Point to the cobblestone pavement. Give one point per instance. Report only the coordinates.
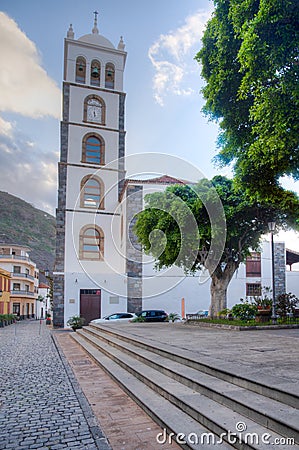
(41, 404)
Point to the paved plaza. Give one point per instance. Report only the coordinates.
(41, 404)
(50, 400)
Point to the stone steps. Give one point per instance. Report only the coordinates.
(213, 404)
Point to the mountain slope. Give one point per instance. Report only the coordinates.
(22, 223)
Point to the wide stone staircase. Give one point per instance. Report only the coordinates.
(203, 405)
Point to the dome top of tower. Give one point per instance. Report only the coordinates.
(94, 37)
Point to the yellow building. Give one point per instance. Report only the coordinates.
(5, 306)
(24, 279)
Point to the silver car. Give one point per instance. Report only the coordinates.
(116, 317)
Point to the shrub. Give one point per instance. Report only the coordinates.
(244, 311)
(224, 313)
(286, 304)
(138, 319)
(172, 317)
(76, 322)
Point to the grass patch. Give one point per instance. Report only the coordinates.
(249, 323)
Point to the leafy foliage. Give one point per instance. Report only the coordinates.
(286, 304)
(250, 61)
(170, 212)
(244, 311)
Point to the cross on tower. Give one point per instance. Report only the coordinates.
(95, 27)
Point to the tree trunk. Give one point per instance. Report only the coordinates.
(220, 280)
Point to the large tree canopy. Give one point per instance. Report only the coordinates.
(180, 223)
(250, 61)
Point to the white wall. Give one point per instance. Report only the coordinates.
(109, 285)
(292, 282)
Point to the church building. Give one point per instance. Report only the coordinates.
(99, 266)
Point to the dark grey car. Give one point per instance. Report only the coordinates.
(153, 315)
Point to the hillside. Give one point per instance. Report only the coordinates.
(21, 223)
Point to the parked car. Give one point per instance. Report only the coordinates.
(116, 317)
(153, 315)
(202, 313)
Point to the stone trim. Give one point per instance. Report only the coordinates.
(64, 141)
(58, 301)
(95, 88)
(279, 268)
(58, 280)
(133, 250)
(93, 125)
(121, 144)
(66, 102)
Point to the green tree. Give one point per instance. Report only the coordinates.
(250, 62)
(178, 225)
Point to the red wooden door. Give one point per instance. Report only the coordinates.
(90, 304)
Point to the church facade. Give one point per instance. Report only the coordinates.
(99, 267)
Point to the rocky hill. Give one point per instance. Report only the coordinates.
(22, 223)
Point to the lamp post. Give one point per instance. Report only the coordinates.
(271, 226)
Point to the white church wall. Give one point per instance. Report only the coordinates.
(196, 295)
(292, 282)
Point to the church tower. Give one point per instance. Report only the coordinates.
(89, 270)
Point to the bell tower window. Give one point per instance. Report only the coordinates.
(95, 73)
(92, 191)
(109, 76)
(80, 70)
(91, 243)
(94, 109)
(93, 149)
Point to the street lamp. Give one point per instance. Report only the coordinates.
(271, 226)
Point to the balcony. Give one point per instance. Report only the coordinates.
(21, 275)
(21, 293)
(16, 257)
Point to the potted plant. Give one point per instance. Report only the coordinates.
(76, 322)
(48, 319)
(172, 317)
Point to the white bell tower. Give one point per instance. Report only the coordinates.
(91, 176)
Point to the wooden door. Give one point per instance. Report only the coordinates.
(90, 304)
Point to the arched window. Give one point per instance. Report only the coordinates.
(93, 149)
(91, 243)
(92, 192)
(109, 76)
(95, 73)
(94, 109)
(80, 70)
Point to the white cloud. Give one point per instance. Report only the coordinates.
(22, 78)
(29, 173)
(172, 57)
(5, 127)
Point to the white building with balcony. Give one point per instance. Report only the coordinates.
(15, 259)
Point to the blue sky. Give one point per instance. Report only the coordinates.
(162, 82)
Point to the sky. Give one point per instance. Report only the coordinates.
(162, 81)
